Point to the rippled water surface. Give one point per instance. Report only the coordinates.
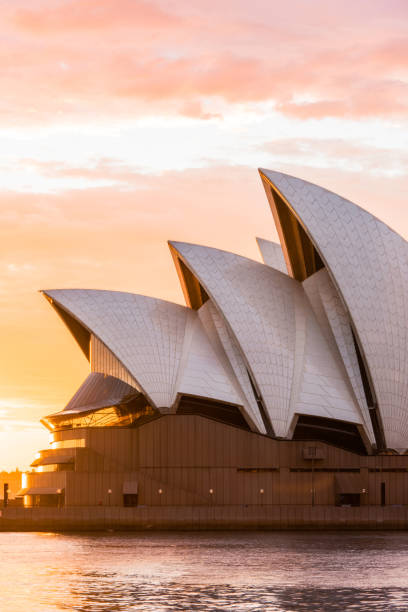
(204, 571)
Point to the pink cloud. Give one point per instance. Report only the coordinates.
(100, 58)
(75, 15)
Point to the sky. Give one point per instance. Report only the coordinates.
(126, 123)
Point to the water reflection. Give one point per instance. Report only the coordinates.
(204, 571)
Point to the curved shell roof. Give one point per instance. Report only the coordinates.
(162, 345)
(323, 334)
(368, 263)
(222, 338)
(294, 367)
(145, 334)
(272, 254)
(334, 322)
(202, 372)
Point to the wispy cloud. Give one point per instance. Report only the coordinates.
(11, 411)
(347, 63)
(337, 153)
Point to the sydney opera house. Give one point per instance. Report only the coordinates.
(280, 387)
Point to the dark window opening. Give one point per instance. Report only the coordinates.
(258, 470)
(377, 429)
(383, 493)
(130, 500)
(194, 292)
(304, 258)
(45, 501)
(203, 294)
(338, 433)
(348, 499)
(363, 374)
(394, 470)
(375, 422)
(327, 470)
(210, 409)
(261, 407)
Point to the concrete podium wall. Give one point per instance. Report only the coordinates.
(181, 461)
(203, 518)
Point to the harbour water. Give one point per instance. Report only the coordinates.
(262, 571)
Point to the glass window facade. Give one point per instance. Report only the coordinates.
(132, 411)
(55, 467)
(71, 443)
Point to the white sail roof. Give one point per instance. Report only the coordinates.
(162, 345)
(224, 343)
(202, 372)
(145, 334)
(294, 367)
(272, 254)
(368, 263)
(334, 322)
(320, 328)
